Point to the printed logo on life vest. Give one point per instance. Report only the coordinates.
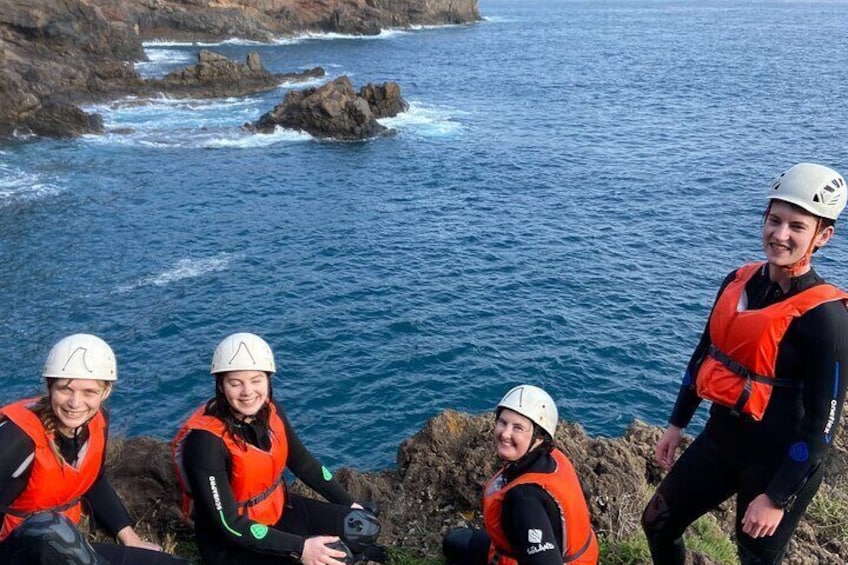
(328, 476)
(534, 536)
(215, 496)
(259, 531)
(830, 419)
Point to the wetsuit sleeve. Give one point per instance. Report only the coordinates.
(15, 462)
(205, 462)
(309, 470)
(825, 350)
(530, 520)
(107, 508)
(687, 397)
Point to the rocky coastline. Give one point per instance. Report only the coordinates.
(440, 473)
(55, 56)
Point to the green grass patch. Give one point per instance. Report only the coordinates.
(629, 551)
(829, 513)
(704, 536)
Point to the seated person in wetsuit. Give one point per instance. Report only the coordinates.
(231, 454)
(52, 458)
(533, 508)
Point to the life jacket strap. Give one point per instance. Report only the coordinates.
(749, 376)
(745, 373)
(579, 553)
(24, 515)
(262, 495)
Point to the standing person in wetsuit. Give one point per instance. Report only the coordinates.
(52, 459)
(231, 455)
(533, 508)
(773, 360)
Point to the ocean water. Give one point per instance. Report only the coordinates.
(570, 184)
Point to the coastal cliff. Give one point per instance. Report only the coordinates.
(438, 482)
(55, 55)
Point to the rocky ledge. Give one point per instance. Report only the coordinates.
(57, 55)
(441, 472)
(335, 110)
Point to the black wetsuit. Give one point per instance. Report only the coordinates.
(101, 499)
(525, 507)
(781, 456)
(223, 536)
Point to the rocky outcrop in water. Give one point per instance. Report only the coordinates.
(216, 76)
(57, 55)
(441, 472)
(336, 110)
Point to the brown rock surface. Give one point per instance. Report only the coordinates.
(441, 472)
(216, 76)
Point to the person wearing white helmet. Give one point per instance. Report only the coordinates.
(534, 509)
(231, 455)
(54, 448)
(773, 361)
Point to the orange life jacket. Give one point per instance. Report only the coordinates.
(562, 485)
(739, 371)
(256, 476)
(53, 485)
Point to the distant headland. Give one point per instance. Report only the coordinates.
(55, 56)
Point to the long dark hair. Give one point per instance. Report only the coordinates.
(221, 409)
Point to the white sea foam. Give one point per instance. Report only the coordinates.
(426, 121)
(184, 269)
(250, 140)
(20, 186)
(162, 43)
(332, 36)
(301, 84)
(164, 122)
(162, 60)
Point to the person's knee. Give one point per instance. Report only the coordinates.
(49, 538)
(655, 516)
(464, 546)
(360, 531)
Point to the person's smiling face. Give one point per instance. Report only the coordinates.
(513, 435)
(246, 391)
(788, 233)
(75, 401)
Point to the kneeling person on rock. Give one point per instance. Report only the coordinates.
(534, 508)
(231, 455)
(52, 458)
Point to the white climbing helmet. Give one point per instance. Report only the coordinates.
(819, 190)
(533, 403)
(81, 356)
(243, 352)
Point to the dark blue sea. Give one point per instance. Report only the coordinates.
(572, 181)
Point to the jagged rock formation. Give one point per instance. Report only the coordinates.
(441, 472)
(335, 110)
(55, 55)
(216, 76)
